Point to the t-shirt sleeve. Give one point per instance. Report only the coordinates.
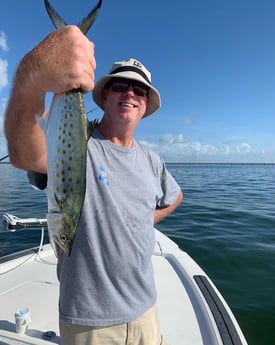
(38, 180)
(169, 186)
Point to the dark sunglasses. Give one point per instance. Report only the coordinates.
(122, 85)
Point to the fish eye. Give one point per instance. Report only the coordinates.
(63, 238)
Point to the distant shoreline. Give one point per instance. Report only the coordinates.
(186, 163)
(224, 163)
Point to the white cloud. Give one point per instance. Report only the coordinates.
(179, 149)
(3, 42)
(243, 148)
(3, 62)
(3, 73)
(190, 119)
(3, 103)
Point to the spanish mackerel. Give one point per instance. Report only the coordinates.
(67, 134)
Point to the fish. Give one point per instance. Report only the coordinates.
(67, 134)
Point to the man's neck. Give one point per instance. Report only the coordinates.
(115, 135)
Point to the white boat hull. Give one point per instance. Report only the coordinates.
(192, 311)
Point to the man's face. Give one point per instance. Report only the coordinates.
(125, 99)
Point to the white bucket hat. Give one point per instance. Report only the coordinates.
(129, 69)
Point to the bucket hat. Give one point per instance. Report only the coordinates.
(129, 69)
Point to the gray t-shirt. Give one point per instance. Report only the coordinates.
(108, 278)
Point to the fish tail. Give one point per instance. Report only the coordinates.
(88, 21)
(84, 25)
(58, 22)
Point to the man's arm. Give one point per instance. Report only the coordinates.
(26, 139)
(162, 212)
(63, 61)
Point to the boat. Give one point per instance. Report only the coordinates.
(192, 310)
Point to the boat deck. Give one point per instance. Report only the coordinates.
(30, 281)
(186, 315)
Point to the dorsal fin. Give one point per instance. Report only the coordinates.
(91, 126)
(84, 25)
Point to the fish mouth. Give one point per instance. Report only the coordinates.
(127, 105)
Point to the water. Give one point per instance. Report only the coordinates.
(226, 223)
(19, 198)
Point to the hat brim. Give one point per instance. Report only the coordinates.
(153, 97)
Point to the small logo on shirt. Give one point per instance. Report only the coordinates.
(103, 176)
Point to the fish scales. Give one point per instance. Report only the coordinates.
(66, 136)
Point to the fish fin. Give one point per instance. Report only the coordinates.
(91, 126)
(59, 202)
(58, 22)
(88, 21)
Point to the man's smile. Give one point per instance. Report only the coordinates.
(127, 105)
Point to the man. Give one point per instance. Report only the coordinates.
(107, 291)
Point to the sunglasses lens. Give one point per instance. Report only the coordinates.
(139, 90)
(122, 86)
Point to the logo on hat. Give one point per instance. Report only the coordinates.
(137, 64)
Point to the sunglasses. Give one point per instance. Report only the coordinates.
(122, 85)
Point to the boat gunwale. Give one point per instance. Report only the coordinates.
(17, 255)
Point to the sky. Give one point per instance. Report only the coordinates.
(213, 62)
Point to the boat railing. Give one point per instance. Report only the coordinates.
(14, 223)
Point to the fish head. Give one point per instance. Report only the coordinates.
(61, 233)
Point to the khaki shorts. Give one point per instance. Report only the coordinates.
(143, 331)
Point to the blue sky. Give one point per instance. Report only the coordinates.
(213, 62)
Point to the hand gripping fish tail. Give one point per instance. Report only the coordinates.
(67, 134)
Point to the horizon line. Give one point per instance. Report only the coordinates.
(204, 163)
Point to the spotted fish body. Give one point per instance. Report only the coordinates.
(67, 134)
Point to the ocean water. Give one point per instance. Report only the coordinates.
(226, 223)
(20, 199)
